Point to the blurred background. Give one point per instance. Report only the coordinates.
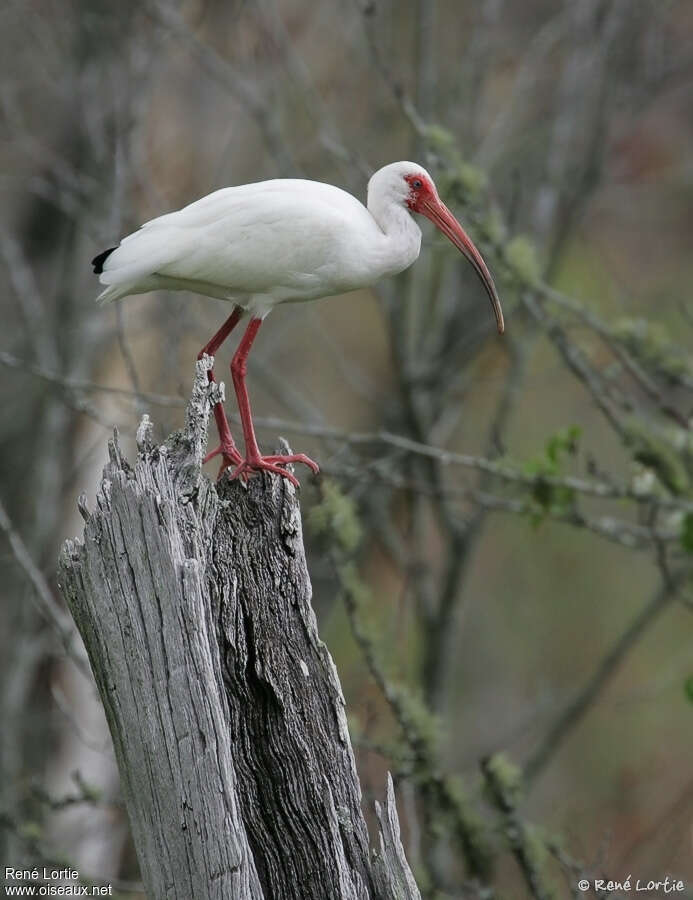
(500, 543)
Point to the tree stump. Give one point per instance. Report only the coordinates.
(225, 708)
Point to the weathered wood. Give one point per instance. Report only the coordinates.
(225, 707)
(391, 872)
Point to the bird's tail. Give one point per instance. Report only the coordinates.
(115, 292)
(100, 259)
(117, 287)
(130, 267)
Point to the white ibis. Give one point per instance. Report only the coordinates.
(280, 241)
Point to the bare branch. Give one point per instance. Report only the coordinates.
(31, 303)
(503, 789)
(44, 600)
(232, 79)
(574, 712)
(77, 385)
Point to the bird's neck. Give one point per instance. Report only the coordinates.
(403, 235)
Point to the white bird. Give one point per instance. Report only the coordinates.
(258, 245)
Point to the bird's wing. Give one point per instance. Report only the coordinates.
(165, 239)
(278, 237)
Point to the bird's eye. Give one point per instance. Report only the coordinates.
(417, 184)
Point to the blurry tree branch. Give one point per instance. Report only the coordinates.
(79, 386)
(243, 89)
(502, 469)
(447, 794)
(327, 131)
(619, 531)
(575, 710)
(41, 591)
(503, 787)
(30, 302)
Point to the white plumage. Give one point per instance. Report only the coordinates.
(261, 244)
(276, 241)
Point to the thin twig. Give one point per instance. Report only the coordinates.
(501, 470)
(577, 362)
(516, 830)
(75, 384)
(619, 531)
(44, 600)
(606, 332)
(466, 827)
(233, 80)
(36, 320)
(573, 713)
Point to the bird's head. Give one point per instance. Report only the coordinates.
(410, 185)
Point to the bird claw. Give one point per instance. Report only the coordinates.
(248, 467)
(229, 457)
(283, 458)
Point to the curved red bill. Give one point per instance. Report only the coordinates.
(435, 210)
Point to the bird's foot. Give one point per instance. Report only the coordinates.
(249, 466)
(229, 456)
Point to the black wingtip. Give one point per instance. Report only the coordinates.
(99, 260)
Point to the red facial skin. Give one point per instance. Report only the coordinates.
(423, 199)
(421, 189)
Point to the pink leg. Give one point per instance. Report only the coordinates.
(254, 461)
(227, 447)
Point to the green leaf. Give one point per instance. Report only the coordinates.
(556, 447)
(687, 532)
(564, 441)
(688, 688)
